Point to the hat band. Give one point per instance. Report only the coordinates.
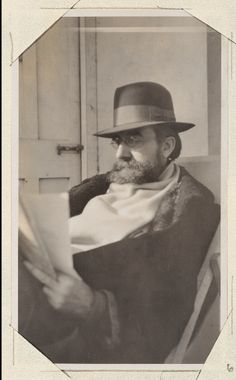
(141, 113)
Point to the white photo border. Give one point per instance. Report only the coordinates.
(225, 68)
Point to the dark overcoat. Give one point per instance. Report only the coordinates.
(153, 278)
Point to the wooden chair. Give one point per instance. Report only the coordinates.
(193, 346)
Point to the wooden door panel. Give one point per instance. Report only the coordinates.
(42, 156)
(28, 185)
(50, 110)
(53, 185)
(28, 96)
(58, 84)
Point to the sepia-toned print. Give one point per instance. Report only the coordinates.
(120, 191)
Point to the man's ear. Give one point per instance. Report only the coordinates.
(168, 146)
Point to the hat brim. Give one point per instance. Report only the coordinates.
(178, 126)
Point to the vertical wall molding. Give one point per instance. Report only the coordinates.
(88, 80)
(214, 91)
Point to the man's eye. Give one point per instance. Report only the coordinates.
(133, 140)
(115, 142)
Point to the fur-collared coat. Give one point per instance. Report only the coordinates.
(153, 278)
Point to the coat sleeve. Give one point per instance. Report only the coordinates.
(154, 279)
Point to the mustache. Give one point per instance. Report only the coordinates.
(127, 164)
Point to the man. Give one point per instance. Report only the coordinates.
(139, 235)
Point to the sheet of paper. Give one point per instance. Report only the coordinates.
(48, 215)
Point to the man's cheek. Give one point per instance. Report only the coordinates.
(138, 157)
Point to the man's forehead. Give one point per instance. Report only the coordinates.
(144, 131)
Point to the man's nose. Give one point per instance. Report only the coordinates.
(123, 151)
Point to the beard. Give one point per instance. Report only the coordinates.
(132, 171)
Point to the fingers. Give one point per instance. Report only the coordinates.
(67, 293)
(49, 292)
(64, 279)
(54, 298)
(73, 274)
(41, 276)
(66, 283)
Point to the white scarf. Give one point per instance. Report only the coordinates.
(121, 211)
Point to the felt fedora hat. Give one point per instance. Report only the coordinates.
(142, 104)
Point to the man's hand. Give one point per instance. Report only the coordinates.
(67, 294)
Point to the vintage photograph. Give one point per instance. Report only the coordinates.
(120, 190)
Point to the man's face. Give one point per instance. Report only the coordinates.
(139, 157)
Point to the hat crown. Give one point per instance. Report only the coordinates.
(142, 102)
(143, 93)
